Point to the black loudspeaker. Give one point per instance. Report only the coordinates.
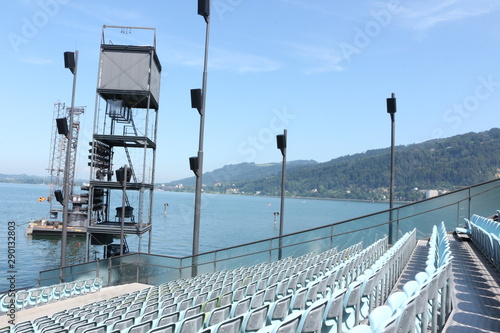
(69, 60)
(391, 105)
(281, 141)
(196, 99)
(204, 8)
(120, 174)
(62, 126)
(59, 196)
(193, 164)
(101, 239)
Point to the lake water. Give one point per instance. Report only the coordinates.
(226, 220)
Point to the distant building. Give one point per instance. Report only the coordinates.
(431, 193)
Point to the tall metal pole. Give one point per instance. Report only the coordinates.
(199, 182)
(67, 166)
(391, 109)
(122, 217)
(281, 140)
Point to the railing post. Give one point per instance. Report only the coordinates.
(215, 261)
(468, 205)
(331, 237)
(397, 225)
(138, 262)
(97, 268)
(109, 271)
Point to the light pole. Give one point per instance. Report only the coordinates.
(198, 101)
(391, 109)
(71, 62)
(281, 142)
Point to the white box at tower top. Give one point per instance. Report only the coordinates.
(130, 73)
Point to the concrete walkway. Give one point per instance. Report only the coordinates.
(476, 286)
(476, 303)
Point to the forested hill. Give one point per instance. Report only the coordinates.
(443, 164)
(233, 173)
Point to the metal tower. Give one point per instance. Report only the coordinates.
(123, 147)
(57, 155)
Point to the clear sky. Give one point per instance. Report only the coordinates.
(321, 69)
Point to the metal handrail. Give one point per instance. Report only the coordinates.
(270, 248)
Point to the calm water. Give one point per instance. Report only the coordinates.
(226, 220)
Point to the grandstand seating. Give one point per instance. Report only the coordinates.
(24, 299)
(485, 233)
(329, 292)
(422, 301)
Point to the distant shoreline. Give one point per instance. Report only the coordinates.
(295, 197)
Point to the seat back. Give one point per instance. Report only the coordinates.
(312, 319)
(289, 324)
(241, 306)
(334, 310)
(168, 319)
(192, 324)
(143, 327)
(255, 319)
(231, 325)
(279, 309)
(218, 315)
(123, 324)
(169, 328)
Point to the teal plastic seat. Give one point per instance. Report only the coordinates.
(98, 283)
(312, 318)
(299, 299)
(384, 319)
(210, 305)
(289, 324)
(279, 310)
(239, 293)
(332, 320)
(218, 315)
(191, 311)
(150, 315)
(123, 324)
(168, 319)
(225, 299)
(190, 325)
(241, 306)
(82, 327)
(169, 328)
(97, 329)
(58, 291)
(22, 298)
(200, 298)
(351, 304)
(256, 319)
(142, 327)
(231, 325)
(396, 300)
(35, 297)
(184, 304)
(368, 295)
(69, 289)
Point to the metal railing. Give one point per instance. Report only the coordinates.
(451, 208)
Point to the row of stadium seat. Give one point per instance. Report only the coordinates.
(485, 233)
(24, 299)
(425, 302)
(183, 298)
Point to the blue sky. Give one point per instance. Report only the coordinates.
(321, 69)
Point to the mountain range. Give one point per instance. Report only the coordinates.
(440, 164)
